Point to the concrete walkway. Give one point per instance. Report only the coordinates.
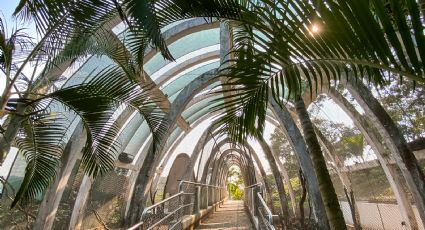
(231, 215)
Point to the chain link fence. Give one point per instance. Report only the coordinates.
(106, 202)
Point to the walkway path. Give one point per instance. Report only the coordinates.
(231, 215)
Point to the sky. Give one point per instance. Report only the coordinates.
(7, 7)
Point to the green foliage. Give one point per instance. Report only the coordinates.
(281, 146)
(95, 102)
(404, 103)
(235, 183)
(235, 192)
(347, 141)
(40, 141)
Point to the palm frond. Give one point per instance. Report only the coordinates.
(59, 21)
(291, 46)
(41, 142)
(352, 36)
(96, 103)
(152, 16)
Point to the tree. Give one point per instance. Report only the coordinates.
(234, 184)
(281, 146)
(404, 103)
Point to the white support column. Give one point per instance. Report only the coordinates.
(49, 205)
(372, 138)
(80, 204)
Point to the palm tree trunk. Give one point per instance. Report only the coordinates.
(303, 197)
(331, 155)
(11, 131)
(297, 142)
(330, 199)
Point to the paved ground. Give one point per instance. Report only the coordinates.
(231, 215)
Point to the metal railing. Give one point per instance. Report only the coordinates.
(257, 207)
(169, 213)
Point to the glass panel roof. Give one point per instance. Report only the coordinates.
(130, 129)
(174, 135)
(207, 102)
(93, 65)
(175, 86)
(205, 110)
(183, 46)
(138, 139)
(186, 63)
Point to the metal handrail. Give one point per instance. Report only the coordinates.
(162, 202)
(187, 201)
(145, 211)
(267, 210)
(167, 216)
(253, 185)
(134, 227)
(200, 184)
(258, 208)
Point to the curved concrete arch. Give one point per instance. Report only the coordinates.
(299, 146)
(226, 163)
(223, 163)
(240, 159)
(145, 175)
(243, 161)
(176, 173)
(252, 153)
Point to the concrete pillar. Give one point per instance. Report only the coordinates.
(49, 205)
(80, 204)
(303, 156)
(375, 141)
(197, 202)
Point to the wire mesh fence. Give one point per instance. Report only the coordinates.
(378, 216)
(106, 202)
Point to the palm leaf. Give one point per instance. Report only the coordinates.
(96, 103)
(355, 39)
(151, 16)
(41, 142)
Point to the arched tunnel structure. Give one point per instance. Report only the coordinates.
(190, 89)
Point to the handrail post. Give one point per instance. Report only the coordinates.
(207, 197)
(219, 197)
(197, 201)
(181, 186)
(255, 191)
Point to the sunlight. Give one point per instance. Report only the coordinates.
(314, 29)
